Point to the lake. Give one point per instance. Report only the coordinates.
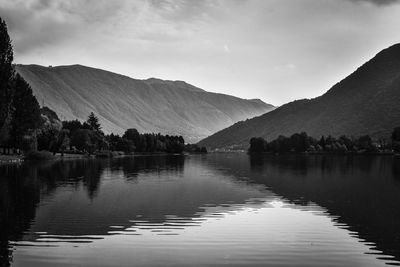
(202, 210)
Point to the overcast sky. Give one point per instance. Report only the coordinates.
(275, 50)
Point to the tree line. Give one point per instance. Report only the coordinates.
(87, 137)
(302, 142)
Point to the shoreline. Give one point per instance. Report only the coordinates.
(328, 153)
(5, 159)
(14, 159)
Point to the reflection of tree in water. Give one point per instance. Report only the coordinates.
(396, 168)
(363, 191)
(19, 197)
(92, 170)
(132, 166)
(300, 164)
(21, 187)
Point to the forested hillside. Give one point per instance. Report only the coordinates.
(366, 102)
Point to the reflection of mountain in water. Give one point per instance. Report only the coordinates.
(23, 188)
(364, 192)
(81, 200)
(94, 197)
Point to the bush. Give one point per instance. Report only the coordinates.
(39, 155)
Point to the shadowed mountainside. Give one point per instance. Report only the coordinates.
(152, 105)
(366, 102)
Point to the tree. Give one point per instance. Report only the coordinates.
(133, 135)
(125, 145)
(300, 142)
(47, 137)
(49, 130)
(347, 142)
(257, 145)
(26, 112)
(72, 126)
(365, 142)
(203, 149)
(6, 75)
(62, 142)
(322, 142)
(396, 139)
(396, 134)
(81, 139)
(93, 122)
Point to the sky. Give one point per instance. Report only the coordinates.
(274, 50)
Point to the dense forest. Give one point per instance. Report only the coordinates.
(25, 127)
(301, 143)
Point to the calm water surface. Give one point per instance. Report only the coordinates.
(205, 210)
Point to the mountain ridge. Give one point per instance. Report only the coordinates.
(365, 102)
(122, 102)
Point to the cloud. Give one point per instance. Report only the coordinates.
(377, 2)
(38, 23)
(184, 10)
(226, 49)
(219, 45)
(285, 68)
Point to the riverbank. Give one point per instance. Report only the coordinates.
(10, 159)
(45, 155)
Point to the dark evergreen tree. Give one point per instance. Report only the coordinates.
(26, 112)
(6, 75)
(93, 122)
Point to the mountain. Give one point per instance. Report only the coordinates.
(152, 105)
(366, 102)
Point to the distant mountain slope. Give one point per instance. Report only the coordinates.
(366, 102)
(153, 105)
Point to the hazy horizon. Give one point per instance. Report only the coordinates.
(278, 51)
